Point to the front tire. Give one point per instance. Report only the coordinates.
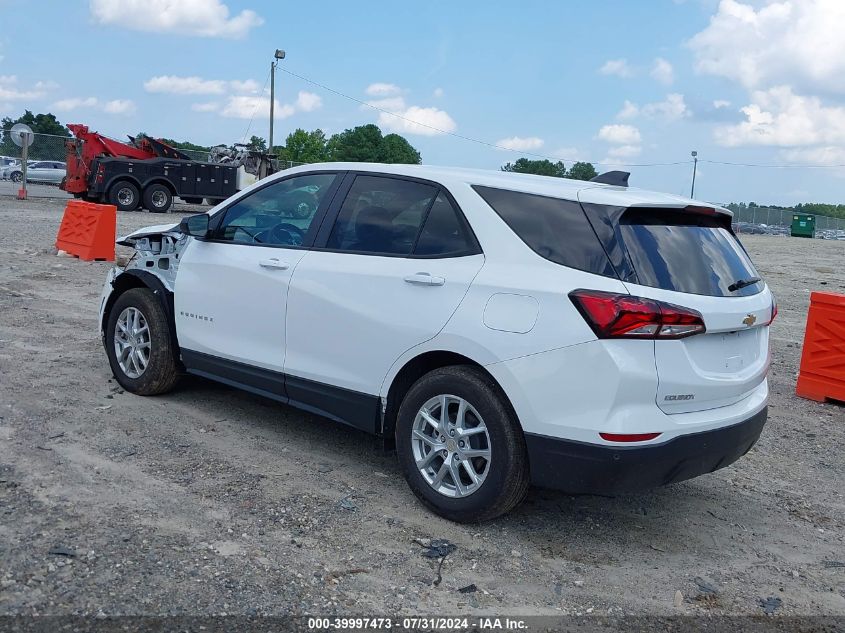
(16, 176)
(460, 446)
(138, 344)
(157, 198)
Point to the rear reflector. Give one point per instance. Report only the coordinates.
(628, 437)
(612, 315)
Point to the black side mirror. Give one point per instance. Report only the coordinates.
(195, 225)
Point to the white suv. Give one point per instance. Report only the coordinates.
(501, 328)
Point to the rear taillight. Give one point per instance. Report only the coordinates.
(774, 310)
(613, 315)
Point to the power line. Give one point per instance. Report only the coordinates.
(257, 105)
(462, 136)
(770, 165)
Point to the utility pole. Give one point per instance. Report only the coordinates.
(694, 169)
(279, 55)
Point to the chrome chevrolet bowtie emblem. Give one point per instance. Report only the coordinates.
(750, 320)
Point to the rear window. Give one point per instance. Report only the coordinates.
(686, 252)
(553, 228)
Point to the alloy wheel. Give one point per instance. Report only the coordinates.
(132, 342)
(451, 446)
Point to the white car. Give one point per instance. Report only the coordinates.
(47, 171)
(501, 328)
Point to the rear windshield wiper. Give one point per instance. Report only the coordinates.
(742, 283)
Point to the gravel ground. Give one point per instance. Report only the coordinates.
(209, 500)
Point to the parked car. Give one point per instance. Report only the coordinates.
(47, 171)
(6, 165)
(500, 328)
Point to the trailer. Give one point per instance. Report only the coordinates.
(146, 172)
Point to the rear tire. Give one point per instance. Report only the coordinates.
(503, 474)
(124, 195)
(138, 344)
(16, 176)
(157, 198)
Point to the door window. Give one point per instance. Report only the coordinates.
(389, 216)
(280, 214)
(381, 216)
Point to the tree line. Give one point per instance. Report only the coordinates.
(364, 143)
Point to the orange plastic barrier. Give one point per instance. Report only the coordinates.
(88, 231)
(822, 373)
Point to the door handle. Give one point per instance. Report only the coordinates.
(424, 279)
(274, 263)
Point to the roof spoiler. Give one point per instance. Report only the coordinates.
(616, 178)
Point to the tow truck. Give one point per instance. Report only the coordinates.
(147, 172)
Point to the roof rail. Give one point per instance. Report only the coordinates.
(617, 178)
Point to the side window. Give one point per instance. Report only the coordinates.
(281, 214)
(381, 216)
(554, 228)
(443, 232)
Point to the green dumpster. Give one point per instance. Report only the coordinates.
(803, 225)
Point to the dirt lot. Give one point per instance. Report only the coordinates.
(209, 500)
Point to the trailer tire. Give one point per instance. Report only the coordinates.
(124, 195)
(157, 198)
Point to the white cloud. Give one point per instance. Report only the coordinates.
(308, 102)
(119, 106)
(672, 108)
(414, 119)
(780, 117)
(204, 18)
(249, 106)
(418, 120)
(249, 85)
(10, 92)
(617, 67)
(438, 92)
(382, 90)
(827, 155)
(629, 111)
(663, 71)
(619, 134)
(209, 106)
(392, 104)
(74, 103)
(520, 144)
(721, 103)
(171, 84)
(795, 42)
(624, 151)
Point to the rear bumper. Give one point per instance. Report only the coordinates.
(580, 467)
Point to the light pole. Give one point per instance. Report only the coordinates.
(279, 55)
(694, 169)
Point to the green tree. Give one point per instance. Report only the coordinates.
(582, 171)
(304, 147)
(397, 149)
(40, 123)
(43, 148)
(257, 143)
(366, 143)
(539, 167)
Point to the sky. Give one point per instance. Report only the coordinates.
(476, 83)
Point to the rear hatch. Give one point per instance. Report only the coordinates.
(688, 256)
